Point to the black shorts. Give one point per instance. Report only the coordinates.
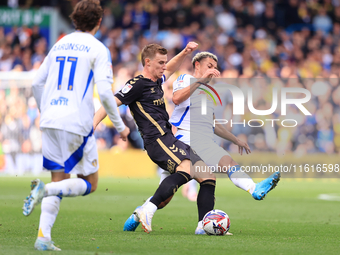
(168, 152)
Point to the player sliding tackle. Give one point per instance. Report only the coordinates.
(63, 89)
(144, 95)
(188, 100)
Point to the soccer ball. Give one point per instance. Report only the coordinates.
(216, 222)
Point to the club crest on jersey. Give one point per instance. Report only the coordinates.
(182, 152)
(94, 163)
(109, 73)
(127, 88)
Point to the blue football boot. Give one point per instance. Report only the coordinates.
(262, 188)
(35, 197)
(131, 224)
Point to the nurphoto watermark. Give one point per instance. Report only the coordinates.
(289, 125)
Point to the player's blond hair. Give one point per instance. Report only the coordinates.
(202, 55)
(150, 50)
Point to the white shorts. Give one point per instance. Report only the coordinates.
(68, 152)
(211, 153)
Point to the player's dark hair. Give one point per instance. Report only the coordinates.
(150, 50)
(86, 15)
(202, 55)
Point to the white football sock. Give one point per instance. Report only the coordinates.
(49, 211)
(68, 188)
(241, 179)
(244, 183)
(147, 201)
(200, 224)
(150, 207)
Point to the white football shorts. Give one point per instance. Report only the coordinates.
(68, 152)
(209, 151)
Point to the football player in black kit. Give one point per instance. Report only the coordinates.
(144, 96)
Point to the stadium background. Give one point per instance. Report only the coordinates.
(295, 41)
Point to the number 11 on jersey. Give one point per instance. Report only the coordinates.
(73, 60)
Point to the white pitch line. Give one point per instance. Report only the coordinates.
(329, 197)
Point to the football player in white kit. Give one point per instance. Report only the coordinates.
(187, 100)
(63, 89)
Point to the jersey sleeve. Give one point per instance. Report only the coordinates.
(39, 80)
(131, 92)
(102, 70)
(181, 82)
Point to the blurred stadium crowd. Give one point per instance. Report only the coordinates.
(295, 41)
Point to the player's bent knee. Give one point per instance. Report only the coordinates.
(184, 166)
(208, 182)
(91, 182)
(202, 172)
(94, 187)
(227, 161)
(59, 176)
(200, 180)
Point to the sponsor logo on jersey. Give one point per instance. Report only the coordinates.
(59, 101)
(152, 90)
(159, 101)
(126, 88)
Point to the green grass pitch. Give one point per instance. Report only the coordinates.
(291, 220)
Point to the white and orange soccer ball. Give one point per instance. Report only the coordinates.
(216, 222)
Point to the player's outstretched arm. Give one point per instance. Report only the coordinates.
(221, 131)
(101, 113)
(99, 116)
(177, 60)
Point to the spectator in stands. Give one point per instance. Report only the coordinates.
(6, 59)
(283, 39)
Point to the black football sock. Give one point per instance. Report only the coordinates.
(169, 186)
(206, 198)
